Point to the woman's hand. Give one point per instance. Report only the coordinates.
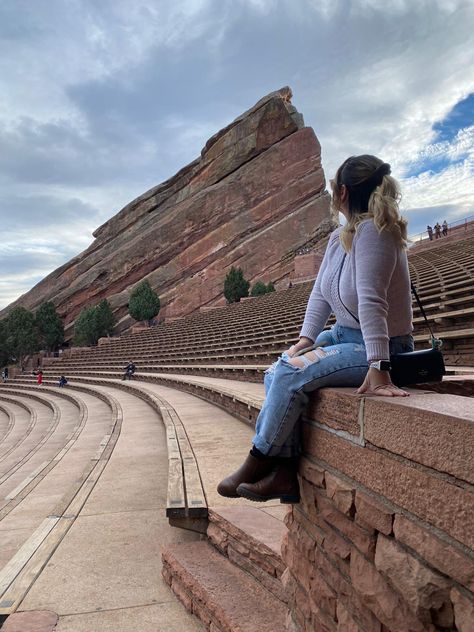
(379, 383)
(301, 344)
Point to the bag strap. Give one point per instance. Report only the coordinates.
(436, 343)
(413, 289)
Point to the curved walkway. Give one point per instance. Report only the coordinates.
(106, 572)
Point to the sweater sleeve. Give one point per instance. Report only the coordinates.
(318, 309)
(375, 260)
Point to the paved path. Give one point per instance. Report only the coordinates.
(106, 573)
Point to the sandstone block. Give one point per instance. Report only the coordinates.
(422, 427)
(445, 557)
(333, 575)
(384, 602)
(433, 499)
(182, 594)
(312, 472)
(463, 610)
(364, 540)
(340, 493)
(335, 544)
(31, 621)
(217, 536)
(420, 587)
(341, 413)
(309, 525)
(373, 513)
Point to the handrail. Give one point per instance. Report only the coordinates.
(423, 236)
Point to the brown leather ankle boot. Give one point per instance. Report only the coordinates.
(250, 471)
(281, 484)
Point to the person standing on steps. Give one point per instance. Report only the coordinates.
(437, 229)
(445, 228)
(364, 281)
(39, 377)
(430, 232)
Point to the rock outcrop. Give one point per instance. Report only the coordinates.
(254, 197)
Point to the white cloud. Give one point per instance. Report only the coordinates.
(101, 101)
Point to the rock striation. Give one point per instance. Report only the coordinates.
(252, 199)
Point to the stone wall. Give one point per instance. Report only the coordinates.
(383, 537)
(306, 266)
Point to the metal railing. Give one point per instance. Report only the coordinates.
(458, 224)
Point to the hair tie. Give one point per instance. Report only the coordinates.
(383, 170)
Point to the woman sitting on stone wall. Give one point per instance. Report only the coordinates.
(364, 281)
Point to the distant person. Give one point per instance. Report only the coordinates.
(39, 377)
(366, 260)
(129, 371)
(5, 374)
(437, 229)
(430, 232)
(445, 228)
(62, 382)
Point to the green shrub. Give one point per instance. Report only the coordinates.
(144, 303)
(235, 285)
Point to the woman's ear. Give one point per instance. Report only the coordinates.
(344, 193)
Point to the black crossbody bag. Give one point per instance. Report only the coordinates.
(413, 367)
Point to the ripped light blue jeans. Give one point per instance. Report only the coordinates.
(342, 363)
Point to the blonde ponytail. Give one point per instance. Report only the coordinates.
(373, 194)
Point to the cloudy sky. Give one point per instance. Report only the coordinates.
(102, 99)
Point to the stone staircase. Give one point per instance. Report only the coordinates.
(233, 581)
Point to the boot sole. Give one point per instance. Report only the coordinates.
(285, 499)
(228, 495)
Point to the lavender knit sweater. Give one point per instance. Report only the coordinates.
(374, 284)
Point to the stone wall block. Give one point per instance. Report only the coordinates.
(312, 472)
(449, 560)
(463, 610)
(387, 605)
(421, 427)
(431, 498)
(218, 537)
(422, 588)
(308, 500)
(182, 594)
(372, 513)
(340, 493)
(363, 539)
(335, 544)
(329, 408)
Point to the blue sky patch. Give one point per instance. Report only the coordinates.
(462, 115)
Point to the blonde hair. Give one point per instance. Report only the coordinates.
(373, 194)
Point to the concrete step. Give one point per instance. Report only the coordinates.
(251, 538)
(224, 597)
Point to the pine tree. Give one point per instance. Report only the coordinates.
(105, 318)
(144, 303)
(258, 289)
(21, 333)
(4, 351)
(235, 285)
(50, 326)
(85, 327)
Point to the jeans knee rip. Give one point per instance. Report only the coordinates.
(312, 357)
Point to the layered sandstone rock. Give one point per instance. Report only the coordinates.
(254, 197)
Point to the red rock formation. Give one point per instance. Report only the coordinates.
(254, 197)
